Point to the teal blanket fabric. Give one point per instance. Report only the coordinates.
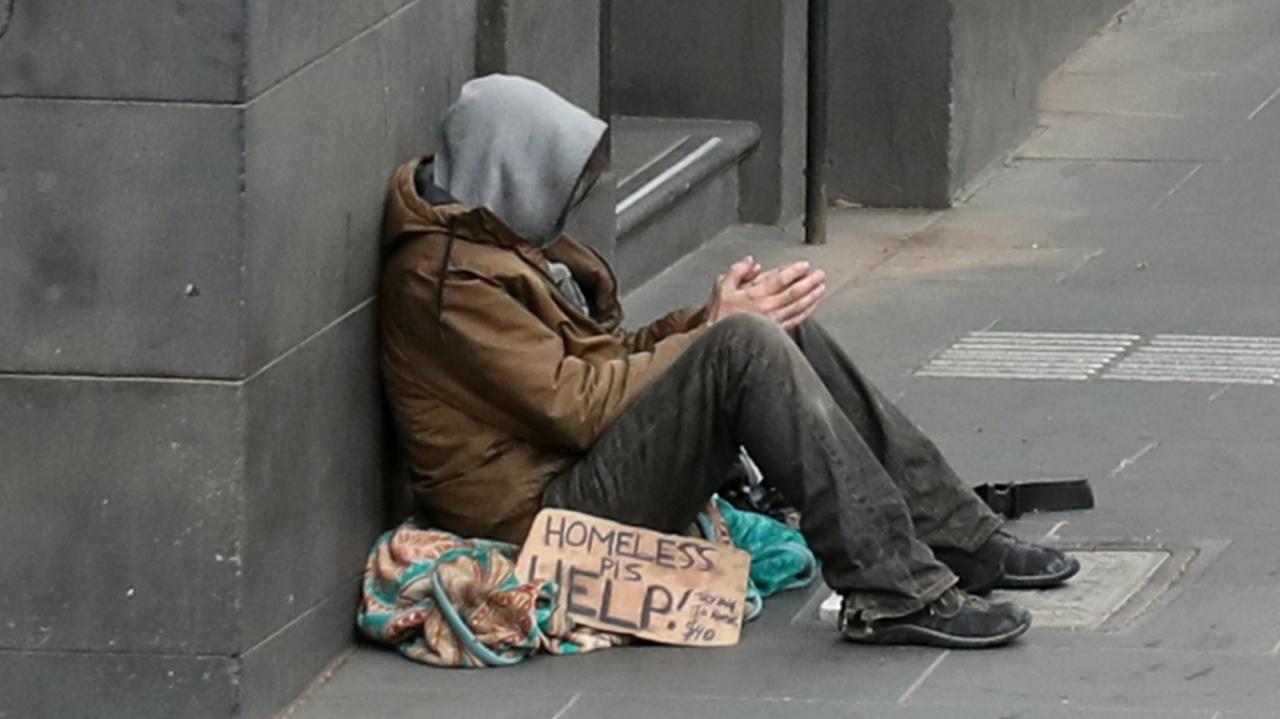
(780, 558)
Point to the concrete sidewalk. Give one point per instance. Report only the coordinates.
(1146, 205)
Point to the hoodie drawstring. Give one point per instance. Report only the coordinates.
(444, 271)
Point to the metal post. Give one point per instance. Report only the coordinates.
(605, 106)
(815, 194)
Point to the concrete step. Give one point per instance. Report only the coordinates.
(677, 188)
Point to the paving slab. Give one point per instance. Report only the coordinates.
(1156, 95)
(1210, 619)
(1040, 408)
(1255, 17)
(1021, 711)
(625, 706)
(989, 457)
(1248, 184)
(1095, 184)
(1093, 679)
(1128, 49)
(1249, 562)
(1222, 484)
(833, 670)
(424, 701)
(1090, 136)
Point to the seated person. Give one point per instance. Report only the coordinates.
(516, 390)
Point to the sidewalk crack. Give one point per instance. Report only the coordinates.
(920, 680)
(1128, 462)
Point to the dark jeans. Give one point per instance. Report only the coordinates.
(874, 493)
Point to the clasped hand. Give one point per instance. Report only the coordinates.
(788, 295)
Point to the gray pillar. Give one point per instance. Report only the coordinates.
(192, 444)
(926, 94)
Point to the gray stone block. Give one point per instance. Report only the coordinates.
(274, 672)
(926, 95)
(119, 227)
(999, 59)
(890, 67)
(118, 516)
(219, 51)
(154, 50)
(312, 487)
(557, 42)
(285, 35)
(315, 177)
(660, 160)
(99, 685)
(319, 149)
(426, 69)
(143, 275)
(679, 229)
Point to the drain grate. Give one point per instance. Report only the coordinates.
(1072, 356)
(1107, 580)
(1203, 358)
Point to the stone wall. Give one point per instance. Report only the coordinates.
(192, 444)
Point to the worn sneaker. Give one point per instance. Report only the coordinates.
(1006, 562)
(1031, 566)
(955, 620)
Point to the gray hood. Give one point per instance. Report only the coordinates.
(513, 146)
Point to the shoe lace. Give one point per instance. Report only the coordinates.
(953, 600)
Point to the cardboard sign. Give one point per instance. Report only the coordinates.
(661, 587)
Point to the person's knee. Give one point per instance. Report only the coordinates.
(750, 334)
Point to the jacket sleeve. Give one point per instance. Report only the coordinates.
(521, 378)
(683, 320)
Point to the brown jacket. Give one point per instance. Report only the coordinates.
(497, 381)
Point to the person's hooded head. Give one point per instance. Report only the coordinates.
(513, 146)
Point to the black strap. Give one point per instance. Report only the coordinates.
(1015, 499)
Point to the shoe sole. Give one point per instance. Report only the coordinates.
(1039, 581)
(921, 636)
